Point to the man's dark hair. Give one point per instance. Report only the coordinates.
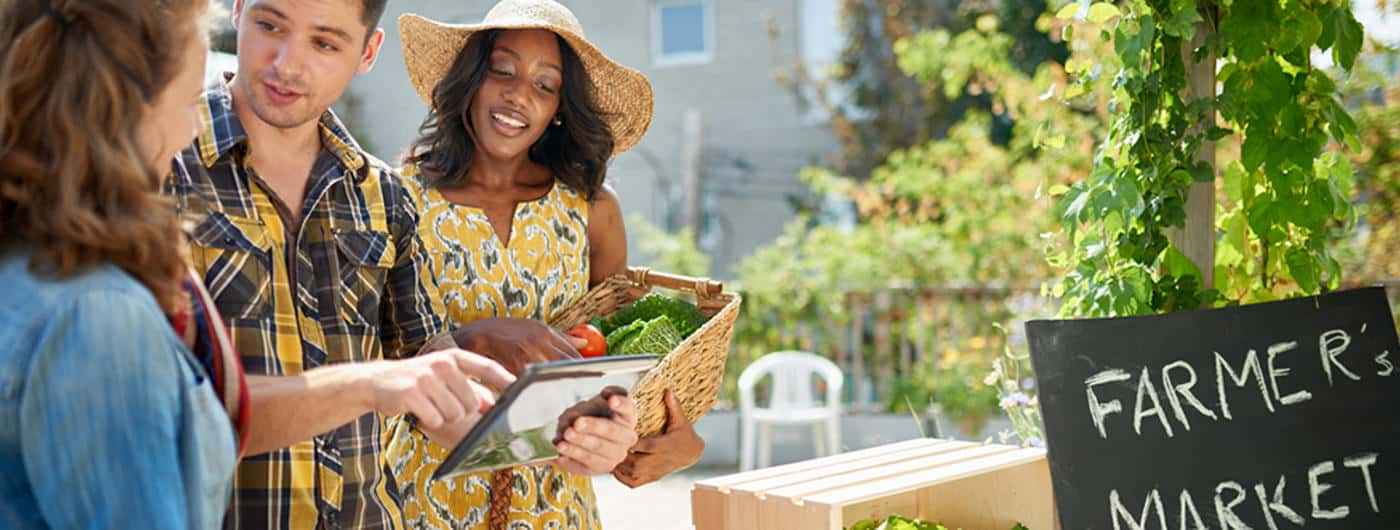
(373, 11)
(577, 151)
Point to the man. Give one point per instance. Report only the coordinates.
(308, 246)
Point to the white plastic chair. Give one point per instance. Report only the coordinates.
(792, 402)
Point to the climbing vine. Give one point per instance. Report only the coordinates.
(1278, 200)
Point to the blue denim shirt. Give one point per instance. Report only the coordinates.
(106, 419)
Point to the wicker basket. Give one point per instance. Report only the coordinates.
(694, 370)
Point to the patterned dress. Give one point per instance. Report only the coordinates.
(540, 273)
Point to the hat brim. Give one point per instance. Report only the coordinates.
(623, 94)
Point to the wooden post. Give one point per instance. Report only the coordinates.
(691, 167)
(1197, 241)
(884, 341)
(861, 385)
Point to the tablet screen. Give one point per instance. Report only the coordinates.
(525, 422)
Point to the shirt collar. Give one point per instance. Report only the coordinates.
(221, 130)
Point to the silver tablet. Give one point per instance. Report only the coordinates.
(523, 425)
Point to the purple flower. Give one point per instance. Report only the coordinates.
(1020, 398)
(1028, 384)
(1035, 441)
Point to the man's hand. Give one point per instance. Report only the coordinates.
(439, 388)
(676, 448)
(517, 342)
(595, 445)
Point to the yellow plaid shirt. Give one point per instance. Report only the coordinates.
(351, 284)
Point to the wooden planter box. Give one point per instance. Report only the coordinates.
(961, 484)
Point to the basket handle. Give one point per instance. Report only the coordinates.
(702, 287)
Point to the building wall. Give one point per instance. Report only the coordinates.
(755, 138)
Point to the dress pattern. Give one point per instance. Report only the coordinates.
(542, 271)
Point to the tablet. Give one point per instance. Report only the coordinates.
(522, 426)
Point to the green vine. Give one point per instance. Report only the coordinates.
(1280, 199)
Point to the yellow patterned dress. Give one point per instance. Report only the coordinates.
(541, 272)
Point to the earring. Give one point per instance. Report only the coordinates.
(558, 122)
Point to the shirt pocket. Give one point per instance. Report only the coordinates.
(361, 264)
(235, 256)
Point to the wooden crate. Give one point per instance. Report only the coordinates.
(965, 485)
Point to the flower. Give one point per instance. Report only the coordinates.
(1035, 441)
(1028, 384)
(991, 378)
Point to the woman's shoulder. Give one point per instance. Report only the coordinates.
(604, 198)
(101, 307)
(43, 291)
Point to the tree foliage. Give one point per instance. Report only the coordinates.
(1284, 197)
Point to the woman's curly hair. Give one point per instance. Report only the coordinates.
(76, 78)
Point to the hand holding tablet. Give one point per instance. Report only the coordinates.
(539, 409)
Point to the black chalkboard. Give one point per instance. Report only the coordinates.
(1323, 421)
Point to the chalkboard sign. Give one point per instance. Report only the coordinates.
(1271, 416)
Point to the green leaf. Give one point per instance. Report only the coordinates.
(1251, 29)
(1234, 245)
(1216, 133)
(1302, 266)
(1272, 88)
(1341, 174)
(1349, 37)
(1129, 196)
(1100, 12)
(1103, 200)
(1182, 22)
(1328, 36)
(1129, 45)
(1290, 118)
(1260, 215)
(1253, 150)
(1318, 207)
(1237, 182)
(1340, 125)
(1069, 10)
(1202, 172)
(1339, 181)
(1138, 286)
(1306, 27)
(1334, 272)
(1077, 201)
(1175, 263)
(1321, 84)
(1058, 190)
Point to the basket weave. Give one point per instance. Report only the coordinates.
(694, 370)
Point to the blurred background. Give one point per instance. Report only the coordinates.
(875, 177)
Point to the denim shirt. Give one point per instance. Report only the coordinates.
(106, 419)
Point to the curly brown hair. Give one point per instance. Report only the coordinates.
(76, 78)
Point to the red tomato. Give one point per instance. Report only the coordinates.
(597, 345)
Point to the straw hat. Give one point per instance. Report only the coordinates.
(624, 94)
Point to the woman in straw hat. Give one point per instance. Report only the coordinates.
(510, 167)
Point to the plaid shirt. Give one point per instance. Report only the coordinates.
(351, 284)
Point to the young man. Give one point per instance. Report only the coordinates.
(308, 246)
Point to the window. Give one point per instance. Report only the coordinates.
(682, 32)
(821, 41)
